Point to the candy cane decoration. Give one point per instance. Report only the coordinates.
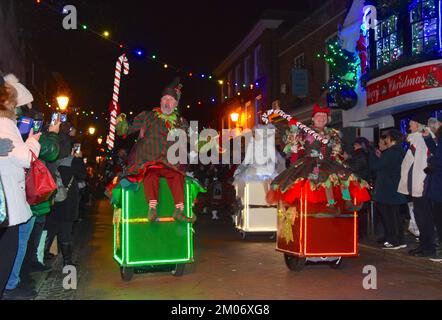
(122, 62)
(293, 121)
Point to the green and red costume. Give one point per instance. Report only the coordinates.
(318, 170)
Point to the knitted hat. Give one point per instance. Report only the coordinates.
(421, 118)
(23, 95)
(174, 89)
(318, 109)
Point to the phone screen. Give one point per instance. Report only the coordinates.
(54, 118)
(38, 125)
(63, 117)
(77, 148)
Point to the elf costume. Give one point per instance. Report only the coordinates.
(147, 160)
(318, 169)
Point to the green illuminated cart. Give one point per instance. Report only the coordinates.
(140, 244)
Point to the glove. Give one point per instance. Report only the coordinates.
(6, 146)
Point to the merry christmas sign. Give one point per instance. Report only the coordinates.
(412, 80)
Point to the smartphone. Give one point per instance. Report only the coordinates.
(54, 118)
(38, 125)
(77, 147)
(63, 117)
(25, 125)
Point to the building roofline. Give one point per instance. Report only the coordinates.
(261, 26)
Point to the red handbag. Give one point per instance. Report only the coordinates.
(39, 182)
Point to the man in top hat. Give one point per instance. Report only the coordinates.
(149, 155)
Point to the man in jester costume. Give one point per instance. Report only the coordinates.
(318, 169)
(148, 157)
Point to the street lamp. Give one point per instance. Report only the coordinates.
(63, 102)
(234, 117)
(100, 140)
(91, 131)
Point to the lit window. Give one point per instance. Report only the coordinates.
(389, 46)
(423, 18)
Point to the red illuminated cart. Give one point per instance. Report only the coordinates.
(313, 232)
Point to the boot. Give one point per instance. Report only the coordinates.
(47, 255)
(66, 251)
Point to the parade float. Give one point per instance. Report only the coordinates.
(152, 200)
(318, 197)
(252, 181)
(145, 245)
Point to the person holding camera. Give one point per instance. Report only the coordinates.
(14, 235)
(69, 169)
(50, 148)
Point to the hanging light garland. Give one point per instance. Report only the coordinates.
(139, 52)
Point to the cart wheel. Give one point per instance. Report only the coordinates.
(127, 273)
(179, 270)
(243, 235)
(336, 264)
(294, 263)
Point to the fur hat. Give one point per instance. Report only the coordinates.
(24, 96)
(318, 109)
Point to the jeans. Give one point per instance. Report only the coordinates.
(24, 232)
(31, 256)
(8, 249)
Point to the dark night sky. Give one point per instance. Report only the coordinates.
(194, 35)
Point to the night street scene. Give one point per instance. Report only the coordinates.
(220, 156)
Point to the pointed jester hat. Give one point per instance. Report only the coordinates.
(174, 89)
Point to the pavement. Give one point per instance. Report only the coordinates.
(227, 267)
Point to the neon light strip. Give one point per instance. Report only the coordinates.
(115, 240)
(355, 226)
(301, 208)
(305, 223)
(189, 239)
(440, 25)
(146, 220)
(118, 259)
(257, 230)
(126, 226)
(189, 228)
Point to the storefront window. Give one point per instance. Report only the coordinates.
(423, 18)
(389, 47)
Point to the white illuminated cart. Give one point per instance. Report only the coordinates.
(254, 216)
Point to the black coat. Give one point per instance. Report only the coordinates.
(358, 164)
(388, 175)
(68, 210)
(434, 178)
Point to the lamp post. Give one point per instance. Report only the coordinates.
(100, 140)
(91, 130)
(63, 102)
(234, 119)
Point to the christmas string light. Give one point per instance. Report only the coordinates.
(105, 35)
